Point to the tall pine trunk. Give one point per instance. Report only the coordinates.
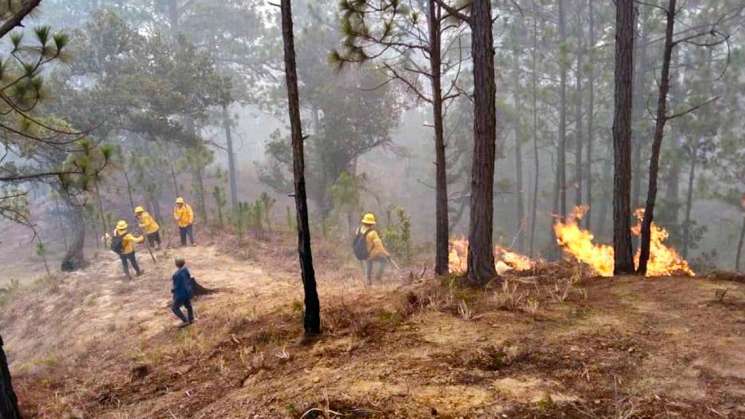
(8, 401)
(579, 146)
(536, 160)
(624, 89)
(638, 129)
(519, 201)
(689, 201)
(590, 115)
(561, 156)
(74, 257)
(232, 171)
(739, 246)
(659, 133)
(441, 195)
(480, 250)
(312, 315)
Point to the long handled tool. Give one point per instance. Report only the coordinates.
(393, 262)
(147, 245)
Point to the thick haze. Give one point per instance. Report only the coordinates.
(151, 76)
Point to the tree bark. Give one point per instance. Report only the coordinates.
(536, 160)
(638, 131)
(659, 133)
(519, 202)
(579, 146)
(441, 195)
(689, 202)
(590, 116)
(74, 258)
(739, 246)
(232, 172)
(624, 89)
(312, 315)
(480, 250)
(8, 401)
(561, 156)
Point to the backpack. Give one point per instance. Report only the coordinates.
(117, 244)
(359, 245)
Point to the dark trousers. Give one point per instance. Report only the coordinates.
(127, 259)
(187, 231)
(154, 239)
(176, 308)
(369, 266)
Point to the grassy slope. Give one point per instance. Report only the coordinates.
(96, 346)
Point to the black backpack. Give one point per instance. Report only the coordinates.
(359, 245)
(117, 244)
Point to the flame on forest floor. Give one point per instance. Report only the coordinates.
(504, 259)
(577, 242)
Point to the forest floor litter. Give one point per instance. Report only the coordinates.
(548, 343)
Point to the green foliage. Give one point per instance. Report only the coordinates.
(254, 216)
(218, 193)
(397, 235)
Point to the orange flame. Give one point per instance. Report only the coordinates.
(663, 260)
(504, 259)
(578, 243)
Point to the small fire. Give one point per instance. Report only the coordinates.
(504, 259)
(578, 243)
(663, 260)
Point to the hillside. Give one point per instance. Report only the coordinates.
(93, 345)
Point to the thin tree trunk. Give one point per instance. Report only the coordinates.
(441, 196)
(176, 189)
(659, 133)
(689, 203)
(312, 316)
(480, 250)
(129, 190)
(561, 156)
(232, 171)
(739, 246)
(579, 146)
(8, 401)
(638, 131)
(520, 205)
(536, 161)
(74, 258)
(624, 89)
(201, 195)
(100, 209)
(590, 116)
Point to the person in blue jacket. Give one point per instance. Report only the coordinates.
(182, 292)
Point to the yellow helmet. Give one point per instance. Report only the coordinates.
(139, 210)
(179, 200)
(121, 225)
(369, 218)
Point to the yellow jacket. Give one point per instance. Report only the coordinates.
(375, 248)
(184, 216)
(128, 242)
(147, 223)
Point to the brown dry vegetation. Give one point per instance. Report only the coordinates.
(545, 346)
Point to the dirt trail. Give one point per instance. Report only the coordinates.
(623, 347)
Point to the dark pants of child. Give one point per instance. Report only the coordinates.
(127, 259)
(176, 308)
(187, 231)
(370, 266)
(154, 239)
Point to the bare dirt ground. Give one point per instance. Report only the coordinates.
(92, 345)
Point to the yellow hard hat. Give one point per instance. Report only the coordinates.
(139, 210)
(121, 225)
(369, 218)
(179, 200)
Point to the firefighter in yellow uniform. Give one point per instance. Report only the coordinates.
(184, 217)
(149, 226)
(369, 249)
(124, 244)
